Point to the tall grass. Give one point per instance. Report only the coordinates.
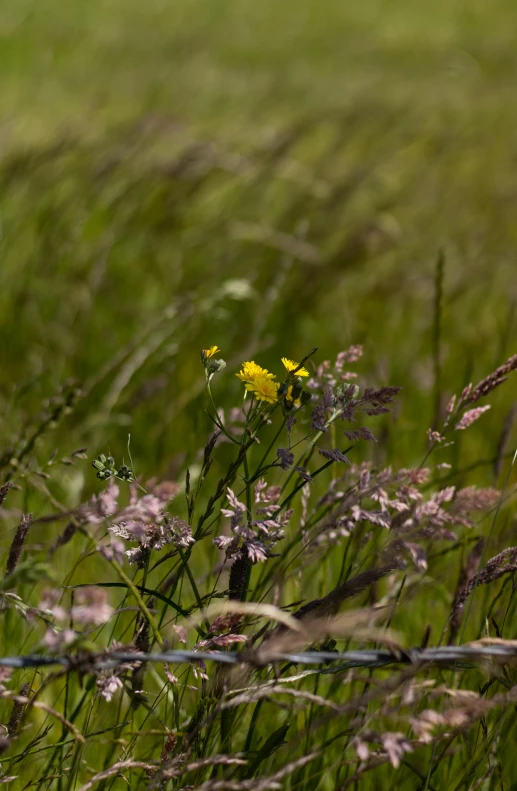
(295, 542)
(296, 177)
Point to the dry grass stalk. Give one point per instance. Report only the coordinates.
(329, 604)
(357, 624)
(490, 382)
(18, 541)
(4, 490)
(504, 438)
(116, 769)
(17, 712)
(467, 574)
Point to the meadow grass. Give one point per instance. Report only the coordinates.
(270, 178)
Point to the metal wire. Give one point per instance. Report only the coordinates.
(369, 658)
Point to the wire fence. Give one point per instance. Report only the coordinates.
(456, 656)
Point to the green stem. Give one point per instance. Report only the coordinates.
(266, 454)
(215, 418)
(221, 487)
(307, 453)
(134, 590)
(301, 457)
(191, 578)
(290, 496)
(248, 489)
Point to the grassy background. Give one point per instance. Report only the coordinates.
(266, 176)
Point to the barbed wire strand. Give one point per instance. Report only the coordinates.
(370, 658)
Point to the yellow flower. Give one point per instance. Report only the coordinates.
(208, 353)
(264, 388)
(289, 397)
(290, 365)
(250, 371)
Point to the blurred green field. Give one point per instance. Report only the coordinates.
(154, 154)
(268, 177)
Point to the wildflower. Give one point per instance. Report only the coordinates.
(212, 366)
(251, 371)
(264, 389)
(259, 381)
(291, 366)
(209, 353)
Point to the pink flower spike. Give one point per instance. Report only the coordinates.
(470, 417)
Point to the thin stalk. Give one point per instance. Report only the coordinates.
(215, 417)
(191, 579)
(437, 333)
(308, 451)
(270, 446)
(143, 607)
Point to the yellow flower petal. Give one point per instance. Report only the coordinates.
(250, 371)
(211, 351)
(290, 365)
(264, 389)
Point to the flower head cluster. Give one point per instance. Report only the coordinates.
(251, 371)
(257, 536)
(262, 383)
(329, 375)
(259, 381)
(144, 520)
(394, 500)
